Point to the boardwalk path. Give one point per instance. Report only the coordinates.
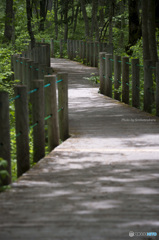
(99, 184)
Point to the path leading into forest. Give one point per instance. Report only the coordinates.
(100, 184)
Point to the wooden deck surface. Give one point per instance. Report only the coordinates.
(100, 184)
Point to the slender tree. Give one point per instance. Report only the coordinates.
(146, 51)
(94, 27)
(134, 24)
(8, 21)
(29, 25)
(85, 17)
(152, 31)
(43, 13)
(56, 18)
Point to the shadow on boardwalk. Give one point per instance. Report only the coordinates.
(100, 184)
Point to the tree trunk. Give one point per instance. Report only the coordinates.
(50, 3)
(152, 31)
(56, 18)
(111, 14)
(94, 18)
(66, 19)
(29, 25)
(43, 13)
(8, 21)
(146, 51)
(75, 18)
(101, 14)
(133, 22)
(122, 10)
(85, 17)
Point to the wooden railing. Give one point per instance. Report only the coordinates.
(115, 81)
(38, 87)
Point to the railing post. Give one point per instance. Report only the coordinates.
(77, 42)
(101, 71)
(80, 48)
(84, 52)
(35, 69)
(71, 49)
(108, 76)
(148, 83)
(157, 89)
(96, 46)
(61, 48)
(135, 83)
(5, 135)
(38, 120)
(125, 80)
(19, 69)
(63, 105)
(24, 69)
(51, 112)
(42, 71)
(92, 54)
(117, 77)
(52, 48)
(22, 128)
(29, 73)
(87, 52)
(15, 68)
(68, 48)
(74, 48)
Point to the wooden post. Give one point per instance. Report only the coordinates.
(108, 76)
(84, 52)
(117, 77)
(104, 47)
(63, 105)
(68, 48)
(157, 89)
(19, 68)
(74, 49)
(135, 84)
(36, 52)
(87, 53)
(38, 120)
(42, 71)
(80, 48)
(51, 110)
(102, 71)
(96, 49)
(61, 48)
(71, 49)
(52, 48)
(15, 66)
(23, 66)
(34, 72)
(148, 83)
(49, 71)
(29, 74)
(92, 54)
(44, 54)
(125, 80)
(77, 44)
(25, 69)
(22, 127)
(5, 135)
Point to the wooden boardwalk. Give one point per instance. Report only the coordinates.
(100, 184)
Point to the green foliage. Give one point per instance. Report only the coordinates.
(5, 64)
(93, 78)
(3, 173)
